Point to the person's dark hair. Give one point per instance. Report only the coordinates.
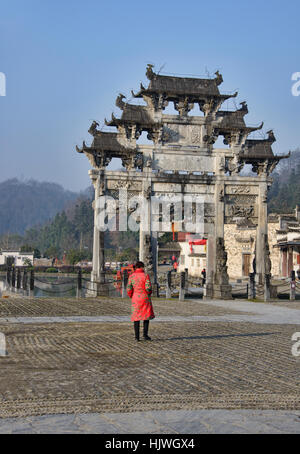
(139, 265)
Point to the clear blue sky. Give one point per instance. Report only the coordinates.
(66, 60)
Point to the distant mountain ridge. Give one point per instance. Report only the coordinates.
(24, 204)
(284, 193)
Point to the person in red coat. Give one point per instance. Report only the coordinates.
(139, 290)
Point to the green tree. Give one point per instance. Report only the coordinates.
(74, 256)
(26, 248)
(52, 252)
(83, 220)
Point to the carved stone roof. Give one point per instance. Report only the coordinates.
(259, 153)
(108, 145)
(184, 92)
(109, 142)
(231, 118)
(132, 114)
(260, 148)
(234, 120)
(183, 85)
(172, 87)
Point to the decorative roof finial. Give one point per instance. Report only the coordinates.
(219, 78)
(149, 72)
(93, 128)
(244, 107)
(119, 101)
(271, 137)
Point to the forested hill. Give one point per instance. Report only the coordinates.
(284, 193)
(25, 204)
(66, 218)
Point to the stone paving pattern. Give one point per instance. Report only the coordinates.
(159, 422)
(75, 368)
(20, 306)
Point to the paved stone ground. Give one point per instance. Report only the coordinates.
(159, 422)
(206, 357)
(286, 303)
(20, 306)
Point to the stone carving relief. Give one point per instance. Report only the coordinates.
(183, 106)
(268, 263)
(170, 135)
(132, 161)
(241, 211)
(196, 135)
(238, 190)
(234, 165)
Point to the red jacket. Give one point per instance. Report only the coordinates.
(139, 290)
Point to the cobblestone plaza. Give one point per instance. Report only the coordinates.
(68, 356)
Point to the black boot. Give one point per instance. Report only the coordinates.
(146, 328)
(137, 330)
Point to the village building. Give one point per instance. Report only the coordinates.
(15, 257)
(43, 261)
(288, 243)
(240, 240)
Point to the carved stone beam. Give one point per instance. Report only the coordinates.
(183, 106)
(155, 134)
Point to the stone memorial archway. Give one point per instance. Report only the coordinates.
(182, 166)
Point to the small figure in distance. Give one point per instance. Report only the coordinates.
(203, 273)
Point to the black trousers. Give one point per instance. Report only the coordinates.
(137, 328)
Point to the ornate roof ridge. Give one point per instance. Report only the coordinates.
(131, 113)
(180, 86)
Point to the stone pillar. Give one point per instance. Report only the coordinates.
(267, 287)
(146, 242)
(186, 288)
(95, 268)
(290, 261)
(263, 262)
(24, 282)
(293, 286)
(124, 283)
(79, 284)
(98, 271)
(283, 262)
(217, 277)
(154, 250)
(182, 286)
(210, 266)
(13, 277)
(18, 278)
(168, 284)
(251, 292)
(31, 283)
(8, 276)
(261, 233)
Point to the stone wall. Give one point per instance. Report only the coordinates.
(239, 242)
(274, 225)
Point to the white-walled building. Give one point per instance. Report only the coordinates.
(240, 239)
(192, 256)
(16, 258)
